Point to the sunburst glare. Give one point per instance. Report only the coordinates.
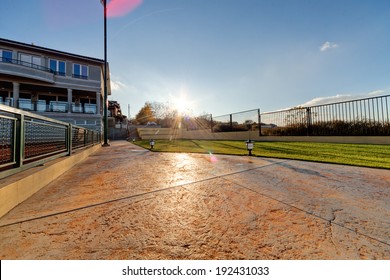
(181, 104)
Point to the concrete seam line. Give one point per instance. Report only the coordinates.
(138, 195)
(309, 213)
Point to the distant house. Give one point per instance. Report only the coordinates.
(115, 111)
(56, 84)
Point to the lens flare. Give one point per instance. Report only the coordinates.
(181, 104)
(213, 158)
(118, 8)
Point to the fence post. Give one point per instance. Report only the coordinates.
(259, 121)
(231, 122)
(308, 120)
(69, 140)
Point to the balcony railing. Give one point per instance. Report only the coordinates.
(90, 108)
(80, 77)
(39, 67)
(26, 64)
(53, 106)
(25, 104)
(58, 106)
(77, 108)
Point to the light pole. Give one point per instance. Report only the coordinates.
(105, 117)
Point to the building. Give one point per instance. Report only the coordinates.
(115, 111)
(56, 84)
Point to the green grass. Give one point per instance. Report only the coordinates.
(367, 155)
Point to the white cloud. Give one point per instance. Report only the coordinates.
(376, 93)
(328, 45)
(341, 98)
(117, 85)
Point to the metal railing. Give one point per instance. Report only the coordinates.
(197, 123)
(26, 64)
(28, 140)
(80, 76)
(50, 106)
(240, 121)
(361, 117)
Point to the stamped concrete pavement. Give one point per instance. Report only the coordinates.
(124, 202)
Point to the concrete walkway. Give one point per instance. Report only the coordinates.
(124, 202)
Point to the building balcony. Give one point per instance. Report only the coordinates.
(27, 70)
(52, 106)
(90, 109)
(7, 101)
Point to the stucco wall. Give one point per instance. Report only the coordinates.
(17, 188)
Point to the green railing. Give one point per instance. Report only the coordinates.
(28, 140)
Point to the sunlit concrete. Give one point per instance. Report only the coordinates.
(124, 202)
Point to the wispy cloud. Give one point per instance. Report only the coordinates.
(117, 85)
(327, 46)
(341, 98)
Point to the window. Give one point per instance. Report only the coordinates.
(6, 56)
(25, 59)
(90, 122)
(30, 61)
(36, 61)
(80, 71)
(57, 67)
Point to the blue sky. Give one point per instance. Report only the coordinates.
(222, 56)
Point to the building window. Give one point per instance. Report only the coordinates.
(57, 67)
(6, 56)
(30, 61)
(80, 71)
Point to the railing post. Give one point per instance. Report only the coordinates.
(69, 140)
(308, 120)
(20, 137)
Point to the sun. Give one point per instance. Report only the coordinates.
(181, 104)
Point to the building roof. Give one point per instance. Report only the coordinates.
(47, 50)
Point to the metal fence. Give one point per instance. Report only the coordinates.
(27, 139)
(361, 117)
(197, 123)
(241, 121)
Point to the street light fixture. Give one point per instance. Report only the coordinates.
(250, 146)
(151, 142)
